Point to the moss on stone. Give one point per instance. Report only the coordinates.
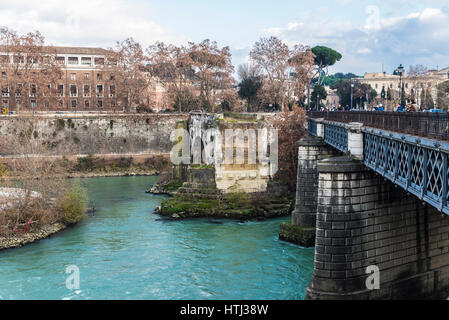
(304, 236)
(234, 206)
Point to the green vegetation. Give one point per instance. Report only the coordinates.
(85, 164)
(237, 205)
(239, 117)
(73, 205)
(201, 166)
(173, 185)
(303, 236)
(3, 170)
(178, 205)
(70, 124)
(60, 124)
(181, 124)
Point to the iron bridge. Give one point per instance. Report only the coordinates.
(417, 164)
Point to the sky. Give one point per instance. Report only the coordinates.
(372, 36)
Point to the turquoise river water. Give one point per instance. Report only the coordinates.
(126, 252)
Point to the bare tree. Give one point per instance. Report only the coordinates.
(302, 62)
(418, 70)
(29, 70)
(128, 65)
(271, 55)
(213, 69)
(173, 67)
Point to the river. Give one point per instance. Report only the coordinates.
(126, 252)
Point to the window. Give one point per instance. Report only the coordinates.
(99, 61)
(4, 59)
(60, 90)
(73, 76)
(86, 76)
(99, 76)
(19, 59)
(406, 85)
(47, 90)
(86, 61)
(33, 103)
(100, 103)
(60, 60)
(86, 103)
(19, 90)
(33, 90)
(5, 103)
(73, 60)
(74, 103)
(73, 90)
(376, 86)
(4, 75)
(86, 90)
(61, 103)
(112, 77)
(111, 91)
(5, 91)
(99, 90)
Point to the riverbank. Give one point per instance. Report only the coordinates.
(30, 237)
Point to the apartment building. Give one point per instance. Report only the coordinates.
(83, 83)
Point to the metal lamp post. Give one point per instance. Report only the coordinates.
(400, 70)
(352, 87)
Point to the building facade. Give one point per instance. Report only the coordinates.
(82, 83)
(413, 85)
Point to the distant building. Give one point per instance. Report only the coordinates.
(84, 84)
(333, 100)
(413, 85)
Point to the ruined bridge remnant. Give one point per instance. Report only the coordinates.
(382, 203)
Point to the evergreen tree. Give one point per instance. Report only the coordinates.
(430, 104)
(389, 96)
(403, 96)
(423, 98)
(383, 94)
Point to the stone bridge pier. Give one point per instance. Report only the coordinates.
(370, 232)
(301, 230)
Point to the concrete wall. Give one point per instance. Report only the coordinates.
(92, 134)
(363, 220)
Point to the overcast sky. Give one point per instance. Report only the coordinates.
(369, 34)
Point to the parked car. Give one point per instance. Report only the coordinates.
(434, 110)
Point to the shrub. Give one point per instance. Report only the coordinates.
(73, 205)
(3, 170)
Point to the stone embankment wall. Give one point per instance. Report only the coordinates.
(90, 134)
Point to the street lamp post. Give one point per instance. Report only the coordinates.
(352, 87)
(400, 70)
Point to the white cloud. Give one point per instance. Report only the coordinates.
(421, 37)
(85, 22)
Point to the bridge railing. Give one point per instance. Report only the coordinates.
(418, 165)
(336, 135)
(423, 124)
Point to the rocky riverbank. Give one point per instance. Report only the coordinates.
(29, 237)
